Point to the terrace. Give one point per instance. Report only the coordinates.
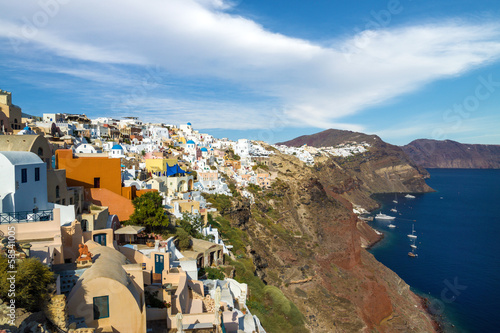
(27, 216)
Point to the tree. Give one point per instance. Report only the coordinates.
(192, 224)
(32, 279)
(149, 212)
(183, 239)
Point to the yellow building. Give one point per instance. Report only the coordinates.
(159, 164)
(11, 111)
(181, 140)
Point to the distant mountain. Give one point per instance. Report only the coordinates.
(451, 154)
(330, 137)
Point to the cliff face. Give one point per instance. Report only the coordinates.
(306, 241)
(304, 238)
(452, 154)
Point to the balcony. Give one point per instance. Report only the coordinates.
(27, 216)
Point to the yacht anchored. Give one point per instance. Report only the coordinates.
(391, 226)
(381, 216)
(409, 196)
(394, 210)
(395, 198)
(412, 235)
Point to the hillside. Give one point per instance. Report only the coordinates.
(302, 237)
(452, 154)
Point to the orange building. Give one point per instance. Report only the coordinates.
(90, 172)
(101, 177)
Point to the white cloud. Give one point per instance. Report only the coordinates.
(315, 84)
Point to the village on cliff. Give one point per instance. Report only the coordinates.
(70, 196)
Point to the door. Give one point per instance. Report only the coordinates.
(159, 265)
(97, 182)
(101, 239)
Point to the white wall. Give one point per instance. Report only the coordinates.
(27, 195)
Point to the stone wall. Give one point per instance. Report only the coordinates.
(56, 311)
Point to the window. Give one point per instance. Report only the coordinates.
(57, 191)
(24, 175)
(100, 238)
(64, 202)
(85, 225)
(37, 174)
(101, 307)
(40, 152)
(97, 182)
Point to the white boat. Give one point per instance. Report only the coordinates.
(409, 196)
(395, 198)
(413, 246)
(394, 210)
(381, 216)
(412, 235)
(391, 226)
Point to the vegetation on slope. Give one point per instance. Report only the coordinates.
(268, 303)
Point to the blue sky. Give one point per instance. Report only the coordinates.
(271, 70)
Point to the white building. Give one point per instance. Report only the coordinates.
(117, 151)
(187, 129)
(54, 117)
(157, 132)
(242, 148)
(23, 177)
(86, 148)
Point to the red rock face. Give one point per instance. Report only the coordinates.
(312, 248)
(376, 304)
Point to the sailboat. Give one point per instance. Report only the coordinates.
(412, 235)
(395, 198)
(413, 238)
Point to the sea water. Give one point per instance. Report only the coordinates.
(458, 240)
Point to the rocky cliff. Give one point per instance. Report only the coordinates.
(304, 239)
(452, 154)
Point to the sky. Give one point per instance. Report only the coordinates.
(261, 69)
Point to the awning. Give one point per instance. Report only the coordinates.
(129, 230)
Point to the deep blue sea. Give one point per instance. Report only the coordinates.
(458, 239)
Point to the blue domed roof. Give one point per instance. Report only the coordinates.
(190, 142)
(204, 149)
(189, 124)
(27, 128)
(117, 147)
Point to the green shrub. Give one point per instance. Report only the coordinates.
(215, 273)
(183, 238)
(32, 281)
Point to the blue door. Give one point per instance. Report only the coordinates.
(159, 263)
(101, 239)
